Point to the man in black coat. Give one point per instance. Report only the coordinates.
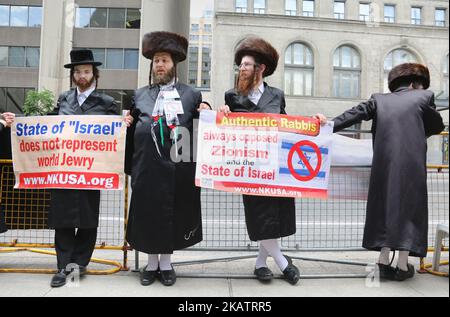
(267, 218)
(397, 206)
(165, 211)
(74, 213)
(6, 119)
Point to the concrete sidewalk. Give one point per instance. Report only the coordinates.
(221, 279)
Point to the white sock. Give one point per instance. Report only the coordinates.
(152, 262)
(402, 263)
(261, 260)
(165, 262)
(274, 250)
(384, 256)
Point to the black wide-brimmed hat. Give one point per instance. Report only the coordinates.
(261, 50)
(165, 42)
(81, 57)
(412, 71)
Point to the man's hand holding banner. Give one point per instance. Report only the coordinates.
(77, 152)
(264, 154)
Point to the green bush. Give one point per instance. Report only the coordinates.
(38, 103)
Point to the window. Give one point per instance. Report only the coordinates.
(259, 6)
(195, 27)
(131, 59)
(16, 56)
(347, 72)
(99, 55)
(133, 19)
(114, 58)
(12, 99)
(82, 17)
(446, 82)
(416, 13)
(123, 98)
(291, 7)
(394, 58)
(439, 17)
(308, 8)
(389, 13)
(241, 6)
(299, 70)
(193, 66)
(3, 56)
(339, 10)
(32, 57)
(364, 11)
(19, 16)
(4, 15)
(208, 28)
(116, 18)
(35, 17)
(98, 18)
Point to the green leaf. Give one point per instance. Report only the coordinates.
(38, 103)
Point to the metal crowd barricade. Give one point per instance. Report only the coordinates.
(335, 224)
(26, 213)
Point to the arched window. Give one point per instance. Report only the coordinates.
(395, 58)
(445, 73)
(299, 70)
(347, 72)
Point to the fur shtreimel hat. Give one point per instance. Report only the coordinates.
(262, 51)
(408, 70)
(167, 42)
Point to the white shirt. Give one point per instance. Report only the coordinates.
(82, 96)
(256, 94)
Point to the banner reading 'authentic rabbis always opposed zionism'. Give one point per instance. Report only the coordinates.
(77, 152)
(264, 154)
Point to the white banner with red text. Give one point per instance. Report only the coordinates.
(264, 154)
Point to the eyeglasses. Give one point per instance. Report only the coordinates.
(247, 65)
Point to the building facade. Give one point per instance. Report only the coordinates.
(36, 37)
(334, 54)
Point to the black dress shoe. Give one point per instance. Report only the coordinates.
(400, 275)
(59, 279)
(168, 277)
(292, 274)
(147, 277)
(263, 274)
(387, 272)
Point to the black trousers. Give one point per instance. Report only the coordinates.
(74, 246)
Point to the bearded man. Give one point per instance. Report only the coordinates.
(267, 218)
(74, 213)
(165, 211)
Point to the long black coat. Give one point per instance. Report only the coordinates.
(165, 210)
(266, 217)
(397, 206)
(3, 227)
(74, 208)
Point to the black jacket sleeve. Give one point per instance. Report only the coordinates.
(432, 120)
(364, 111)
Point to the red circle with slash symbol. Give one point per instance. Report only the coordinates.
(313, 172)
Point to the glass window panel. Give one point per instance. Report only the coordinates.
(82, 17)
(287, 82)
(291, 5)
(356, 59)
(17, 56)
(309, 57)
(364, 11)
(259, 4)
(131, 59)
(415, 15)
(32, 57)
(308, 8)
(298, 83)
(389, 13)
(346, 57)
(288, 57)
(2, 99)
(114, 58)
(439, 17)
(3, 56)
(241, 6)
(336, 84)
(15, 98)
(445, 65)
(4, 15)
(99, 55)
(337, 58)
(133, 19)
(308, 83)
(116, 18)
(298, 54)
(98, 18)
(19, 15)
(35, 17)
